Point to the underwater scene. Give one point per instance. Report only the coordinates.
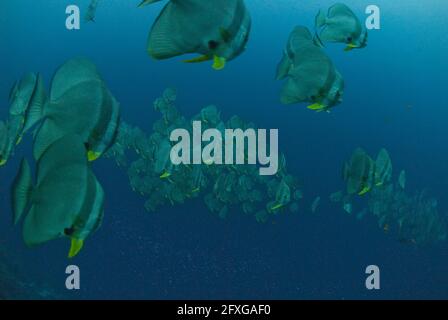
(223, 149)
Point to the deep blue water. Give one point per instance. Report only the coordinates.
(186, 252)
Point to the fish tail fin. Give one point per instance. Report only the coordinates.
(320, 20)
(21, 190)
(146, 2)
(38, 103)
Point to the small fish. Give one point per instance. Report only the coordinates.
(383, 168)
(315, 204)
(91, 11)
(341, 25)
(216, 30)
(66, 200)
(79, 103)
(310, 74)
(359, 173)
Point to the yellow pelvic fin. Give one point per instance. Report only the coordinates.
(3, 162)
(19, 139)
(195, 189)
(76, 246)
(350, 47)
(198, 59)
(92, 155)
(219, 63)
(165, 175)
(317, 107)
(379, 184)
(276, 207)
(364, 191)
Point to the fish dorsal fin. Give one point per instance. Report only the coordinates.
(20, 96)
(174, 32)
(340, 9)
(37, 105)
(147, 2)
(21, 190)
(70, 74)
(320, 19)
(300, 34)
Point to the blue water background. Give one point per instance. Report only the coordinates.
(395, 98)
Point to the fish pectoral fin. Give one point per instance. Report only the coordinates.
(92, 155)
(219, 63)
(317, 107)
(75, 247)
(198, 59)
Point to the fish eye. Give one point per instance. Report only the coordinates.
(69, 231)
(212, 44)
(313, 98)
(349, 39)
